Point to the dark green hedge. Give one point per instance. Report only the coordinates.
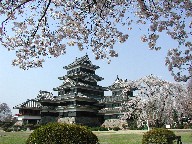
(56, 133)
(158, 136)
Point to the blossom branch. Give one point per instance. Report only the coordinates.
(12, 11)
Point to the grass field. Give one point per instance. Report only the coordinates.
(111, 137)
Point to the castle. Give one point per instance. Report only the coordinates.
(79, 100)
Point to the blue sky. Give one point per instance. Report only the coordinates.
(135, 61)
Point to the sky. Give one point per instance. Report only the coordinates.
(135, 61)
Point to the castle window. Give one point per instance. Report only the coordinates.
(115, 93)
(67, 91)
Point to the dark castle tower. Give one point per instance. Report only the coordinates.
(79, 93)
(81, 79)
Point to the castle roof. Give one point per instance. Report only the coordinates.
(46, 96)
(120, 84)
(68, 82)
(29, 104)
(36, 103)
(83, 61)
(84, 75)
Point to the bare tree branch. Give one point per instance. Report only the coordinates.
(39, 21)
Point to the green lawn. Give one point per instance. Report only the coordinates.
(13, 137)
(186, 137)
(104, 137)
(120, 139)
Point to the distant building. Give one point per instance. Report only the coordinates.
(113, 110)
(29, 112)
(79, 100)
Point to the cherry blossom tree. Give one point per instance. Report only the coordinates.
(36, 29)
(157, 101)
(188, 101)
(190, 85)
(190, 97)
(5, 112)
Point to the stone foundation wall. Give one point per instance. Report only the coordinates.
(88, 121)
(67, 120)
(111, 123)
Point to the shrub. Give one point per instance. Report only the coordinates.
(37, 126)
(158, 136)
(17, 127)
(93, 128)
(132, 125)
(116, 128)
(190, 125)
(98, 129)
(1, 124)
(142, 127)
(30, 126)
(8, 129)
(180, 126)
(103, 129)
(57, 133)
(7, 125)
(5, 128)
(124, 126)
